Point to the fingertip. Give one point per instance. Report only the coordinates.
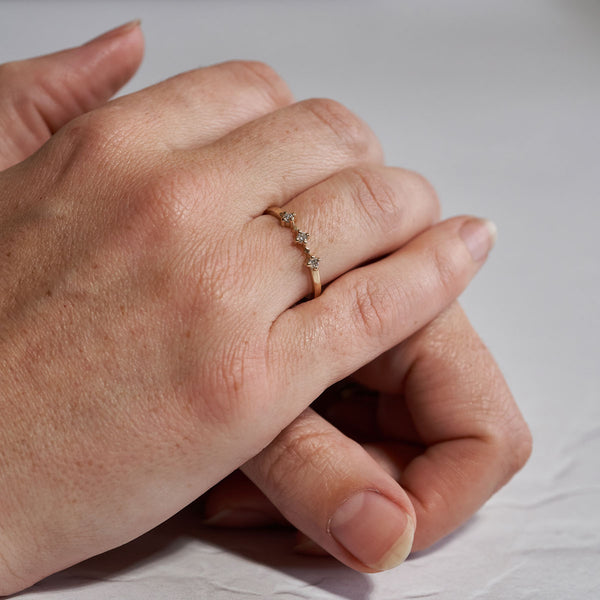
(479, 235)
(116, 32)
(332, 490)
(373, 529)
(114, 55)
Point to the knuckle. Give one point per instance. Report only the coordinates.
(346, 127)
(369, 312)
(164, 195)
(510, 436)
(161, 216)
(264, 78)
(96, 135)
(418, 186)
(523, 448)
(446, 260)
(294, 452)
(517, 444)
(10, 72)
(376, 197)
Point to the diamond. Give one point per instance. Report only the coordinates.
(313, 263)
(288, 217)
(302, 237)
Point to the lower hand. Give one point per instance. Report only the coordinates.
(430, 424)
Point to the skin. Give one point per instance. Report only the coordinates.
(150, 315)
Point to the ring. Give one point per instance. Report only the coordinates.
(288, 219)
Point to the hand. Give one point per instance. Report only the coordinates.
(151, 339)
(433, 414)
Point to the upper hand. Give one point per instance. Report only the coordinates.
(148, 308)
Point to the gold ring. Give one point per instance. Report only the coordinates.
(288, 219)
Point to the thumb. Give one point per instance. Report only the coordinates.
(336, 493)
(39, 95)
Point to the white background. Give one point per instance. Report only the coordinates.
(498, 104)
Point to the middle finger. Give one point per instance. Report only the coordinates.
(276, 157)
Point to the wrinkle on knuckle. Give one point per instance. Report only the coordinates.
(378, 201)
(369, 308)
(300, 451)
(264, 78)
(345, 126)
(98, 138)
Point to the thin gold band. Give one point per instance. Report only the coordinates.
(288, 219)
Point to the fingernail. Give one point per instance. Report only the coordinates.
(479, 236)
(373, 529)
(117, 31)
(239, 517)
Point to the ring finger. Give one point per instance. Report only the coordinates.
(356, 215)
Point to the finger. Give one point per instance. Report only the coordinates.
(235, 502)
(371, 309)
(463, 410)
(40, 95)
(200, 106)
(280, 155)
(354, 216)
(331, 489)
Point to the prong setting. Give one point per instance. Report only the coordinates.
(288, 219)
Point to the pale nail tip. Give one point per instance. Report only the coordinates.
(493, 231)
(399, 552)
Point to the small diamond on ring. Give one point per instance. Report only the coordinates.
(302, 237)
(288, 217)
(313, 263)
